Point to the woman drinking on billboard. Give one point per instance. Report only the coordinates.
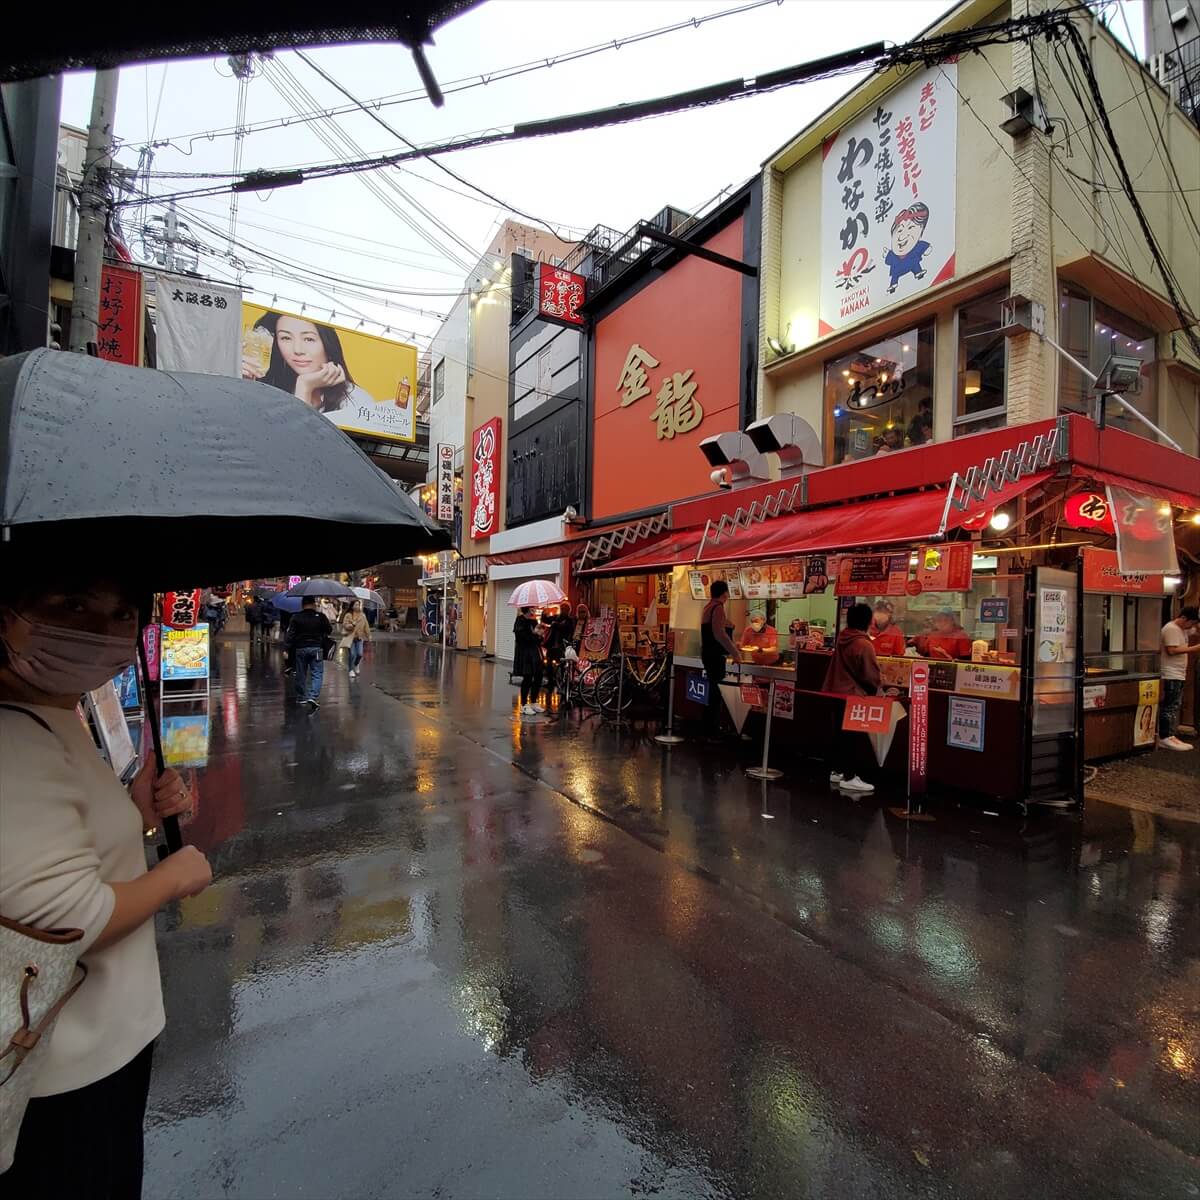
(303, 358)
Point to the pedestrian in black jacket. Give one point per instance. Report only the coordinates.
(308, 633)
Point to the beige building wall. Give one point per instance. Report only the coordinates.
(1034, 208)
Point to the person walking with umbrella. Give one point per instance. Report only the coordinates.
(308, 633)
(357, 632)
(527, 660)
(72, 856)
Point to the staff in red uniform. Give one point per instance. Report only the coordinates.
(885, 635)
(947, 639)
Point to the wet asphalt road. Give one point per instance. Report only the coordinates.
(452, 955)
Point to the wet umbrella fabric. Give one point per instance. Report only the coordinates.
(190, 477)
(537, 593)
(367, 596)
(321, 587)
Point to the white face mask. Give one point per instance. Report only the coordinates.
(67, 662)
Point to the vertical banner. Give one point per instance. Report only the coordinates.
(888, 200)
(485, 479)
(1145, 533)
(445, 482)
(198, 326)
(918, 729)
(151, 637)
(119, 334)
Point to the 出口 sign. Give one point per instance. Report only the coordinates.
(676, 409)
(888, 200)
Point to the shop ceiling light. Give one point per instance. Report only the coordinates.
(1195, 518)
(1000, 520)
(972, 382)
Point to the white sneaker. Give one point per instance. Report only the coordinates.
(537, 708)
(1172, 743)
(835, 777)
(857, 785)
(529, 711)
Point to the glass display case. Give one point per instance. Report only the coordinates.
(1121, 634)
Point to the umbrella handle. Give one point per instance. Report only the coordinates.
(170, 824)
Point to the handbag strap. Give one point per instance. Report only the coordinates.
(26, 1038)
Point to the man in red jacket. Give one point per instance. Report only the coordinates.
(853, 671)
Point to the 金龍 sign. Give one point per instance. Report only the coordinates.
(445, 482)
(119, 332)
(560, 294)
(485, 479)
(676, 408)
(185, 653)
(888, 200)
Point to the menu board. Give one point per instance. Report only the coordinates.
(945, 568)
(184, 653)
(816, 573)
(758, 582)
(773, 581)
(874, 574)
(700, 582)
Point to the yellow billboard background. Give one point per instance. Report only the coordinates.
(383, 401)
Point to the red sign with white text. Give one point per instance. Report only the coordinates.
(945, 568)
(181, 610)
(1102, 573)
(560, 294)
(867, 714)
(918, 729)
(485, 479)
(120, 322)
(1089, 510)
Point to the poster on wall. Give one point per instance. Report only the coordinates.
(872, 574)
(1053, 626)
(945, 568)
(888, 200)
(198, 326)
(1145, 725)
(485, 479)
(596, 644)
(964, 727)
(362, 383)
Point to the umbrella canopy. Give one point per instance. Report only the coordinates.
(537, 593)
(285, 603)
(367, 596)
(321, 587)
(173, 478)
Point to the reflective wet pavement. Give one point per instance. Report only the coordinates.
(449, 954)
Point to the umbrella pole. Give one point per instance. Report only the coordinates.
(170, 824)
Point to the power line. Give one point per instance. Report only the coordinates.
(468, 82)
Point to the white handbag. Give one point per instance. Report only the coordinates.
(39, 973)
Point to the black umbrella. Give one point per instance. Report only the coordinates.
(165, 480)
(179, 478)
(321, 587)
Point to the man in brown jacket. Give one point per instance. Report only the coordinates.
(853, 671)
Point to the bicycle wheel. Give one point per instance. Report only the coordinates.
(585, 686)
(610, 691)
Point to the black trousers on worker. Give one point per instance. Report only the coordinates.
(714, 671)
(86, 1142)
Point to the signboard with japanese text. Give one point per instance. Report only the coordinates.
(816, 573)
(185, 653)
(700, 582)
(697, 688)
(867, 714)
(1102, 573)
(1089, 510)
(485, 479)
(993, 610)
(1095, 696)
(754, 696)
(1148, 691)
(667, 372)
(872, 574)
(918, 729)
(445, 482)
(888, 200)
(181, 610)
(362, 383)
(151, 639)
(198, 326)
(964, 725)
(560, 294)
(597, 641)
(785, 702)
(944, 568)
(119, 335)
(975, 679)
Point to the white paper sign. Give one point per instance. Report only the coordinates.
(888, 199)
(198, 326)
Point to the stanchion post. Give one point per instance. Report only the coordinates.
(765, 771)
(670, 738)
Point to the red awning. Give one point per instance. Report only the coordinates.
(890, 520)
(1183, 499)
(671, 551)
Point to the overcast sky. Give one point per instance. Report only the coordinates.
(611, 177)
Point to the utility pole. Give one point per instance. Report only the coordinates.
(93, 212)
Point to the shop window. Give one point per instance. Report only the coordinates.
(879, 399)
(439, 381)
(982, 366)
(1121, 633)
(1090, 331)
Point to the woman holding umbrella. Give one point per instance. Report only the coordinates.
(527, 661)
(72, 856)
(357, 632)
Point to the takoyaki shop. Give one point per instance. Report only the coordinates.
(1017, 578)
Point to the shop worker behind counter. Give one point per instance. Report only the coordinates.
(308, 633)
(853, 671)
(716, 644)
(1175, 651)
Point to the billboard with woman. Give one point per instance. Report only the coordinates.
(362, 383)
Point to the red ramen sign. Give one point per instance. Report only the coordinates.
(560, 294)
(485, 479)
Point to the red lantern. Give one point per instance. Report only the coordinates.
(1090, 511)
(181, 610)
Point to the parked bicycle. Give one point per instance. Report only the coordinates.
(640, 677)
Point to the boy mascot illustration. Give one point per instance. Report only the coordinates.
(908, 245)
